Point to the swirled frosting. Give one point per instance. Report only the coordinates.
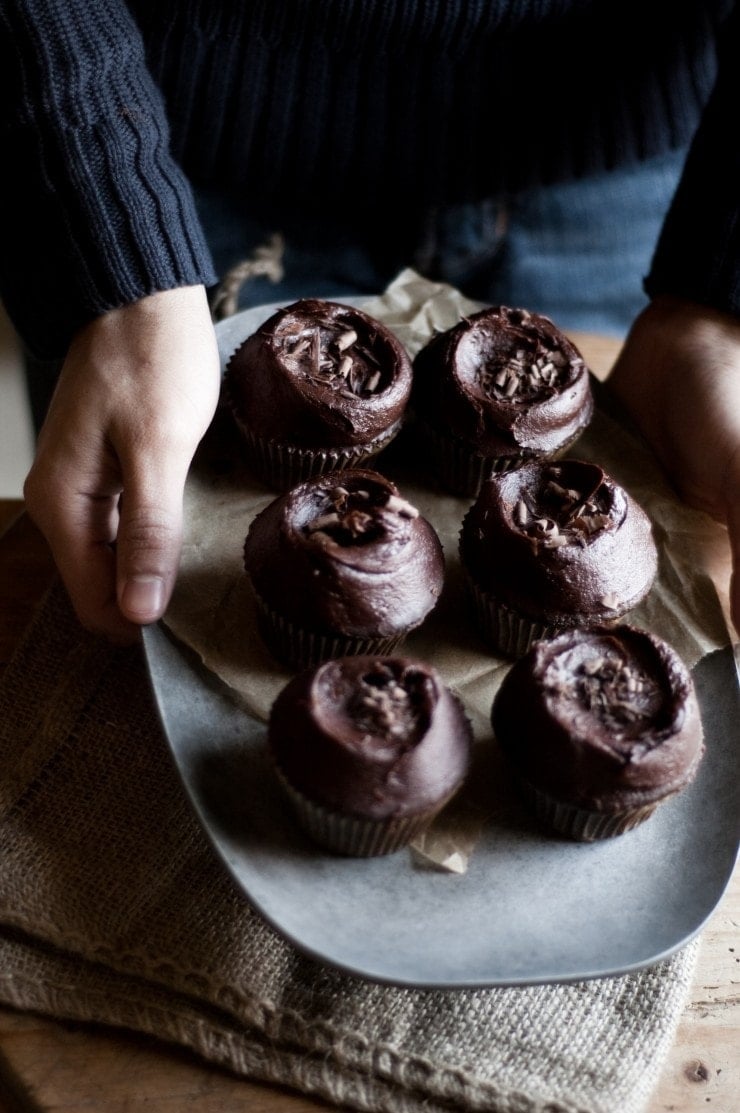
(318, 374)
(605, 718)
(345, 552)
(505, 381)
(560, 542)
(371, 736)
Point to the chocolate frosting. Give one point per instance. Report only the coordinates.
(344, 552)
(559, 542)
(506, 381)
(318, 374)
(371, 736)
(602, 717)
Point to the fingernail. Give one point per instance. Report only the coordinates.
(142, 597)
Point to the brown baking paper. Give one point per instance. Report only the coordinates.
(212, 609)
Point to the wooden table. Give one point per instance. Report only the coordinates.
(52, 1066)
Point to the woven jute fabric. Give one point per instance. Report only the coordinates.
(114, 909)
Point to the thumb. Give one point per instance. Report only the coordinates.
(149, 539)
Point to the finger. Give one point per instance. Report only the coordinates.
(150, 534)
(80, 529)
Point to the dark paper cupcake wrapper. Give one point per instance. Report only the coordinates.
(580, 823)
(459, 470)
(351, 835)
(505, 630)
(509, 632)
(462, 471)
(282, 466)
(300, 648)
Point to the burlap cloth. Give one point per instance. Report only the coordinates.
(114, 909)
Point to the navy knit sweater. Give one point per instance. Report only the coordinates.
(107, 106)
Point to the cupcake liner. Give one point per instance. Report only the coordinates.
(507, 631)
(355, 836)
(512, 633)
(281, 466)
(460, 470)
(298, 647)
(582, 824)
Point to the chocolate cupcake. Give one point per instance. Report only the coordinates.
(318, 387)
(599, 727)
(499, 389)
(341, 564)
(553, 546)
(368, 750)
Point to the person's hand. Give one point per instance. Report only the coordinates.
(678, 376)
(136, 393)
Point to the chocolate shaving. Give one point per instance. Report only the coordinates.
(523, 375)
(355, 517)
(333, 357)
(565, 516)
(400, 506)
(618, 692)
(384, 707)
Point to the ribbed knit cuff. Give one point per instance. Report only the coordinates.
(112, 216)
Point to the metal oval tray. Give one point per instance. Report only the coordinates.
(530, 908)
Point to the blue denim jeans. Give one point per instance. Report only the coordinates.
(576, 251)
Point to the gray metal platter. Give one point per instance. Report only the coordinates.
(530, 907)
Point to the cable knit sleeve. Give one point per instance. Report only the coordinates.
(698, 253)
(94, 212)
